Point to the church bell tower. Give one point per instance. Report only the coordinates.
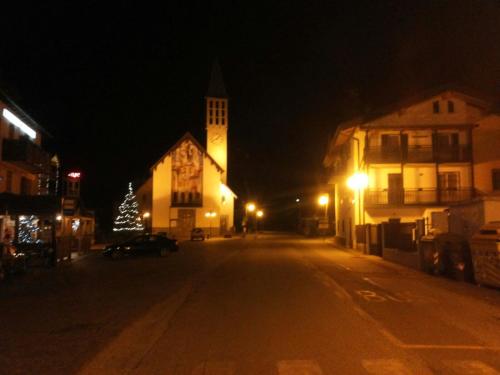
(217, 117)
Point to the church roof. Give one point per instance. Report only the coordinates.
(216, 88)
(188, 136)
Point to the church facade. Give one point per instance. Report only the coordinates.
(188, 185)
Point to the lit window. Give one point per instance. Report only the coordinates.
(451, 107)
(435, 107)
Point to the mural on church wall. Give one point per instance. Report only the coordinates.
(187, 173)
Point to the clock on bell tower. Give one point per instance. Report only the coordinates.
(216, 104)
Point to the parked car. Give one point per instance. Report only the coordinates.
(141, 245)
(197, 234)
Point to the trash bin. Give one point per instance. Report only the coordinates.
(428, 254)
(485, 246)
(446, 254)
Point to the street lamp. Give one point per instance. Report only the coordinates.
(145, 217)
(258, 215)
(357, 182)
(323, 200)
(209, 216)
(250, 207)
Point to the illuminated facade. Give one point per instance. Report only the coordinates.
(188, 185)
(420, 157)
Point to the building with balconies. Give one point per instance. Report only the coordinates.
(417, 157)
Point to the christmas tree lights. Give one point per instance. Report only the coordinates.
(128, 219)
(28, 228)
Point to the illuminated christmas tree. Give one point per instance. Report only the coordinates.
(128, 219)
(28, 229)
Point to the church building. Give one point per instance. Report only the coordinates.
(188, 185)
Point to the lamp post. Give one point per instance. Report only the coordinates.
(357, 182)
(323, 200)
(210, 215)
(249, 207)
(145, 218)
(258, 215)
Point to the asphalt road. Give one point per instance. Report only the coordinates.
(276, 304)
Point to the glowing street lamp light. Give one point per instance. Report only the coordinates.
(259, 213)
(250, 207)
(323, 200)
(358, 181)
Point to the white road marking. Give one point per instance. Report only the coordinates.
(386, 366)
(299, 367)
(368, 280)
(214, 368)
(471, 367)
(344, 267)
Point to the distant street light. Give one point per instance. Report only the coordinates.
(323, 200)
(250, 207)
(145, 217)
(210, 215)
(260, 213)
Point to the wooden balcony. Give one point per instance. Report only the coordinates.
(418, 154)
(416, 197)
(26, 155)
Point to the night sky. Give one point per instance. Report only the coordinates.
(116, 86)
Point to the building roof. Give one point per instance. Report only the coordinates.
(216, 88)
(4, 97)
(470, 95)
(345, 129)
(188, 136)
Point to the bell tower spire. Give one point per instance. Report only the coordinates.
(217, 119)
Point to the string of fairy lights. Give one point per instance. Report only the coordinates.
(128, 219)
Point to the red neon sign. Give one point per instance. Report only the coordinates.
(74, 175)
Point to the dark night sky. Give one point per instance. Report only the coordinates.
(118, 85)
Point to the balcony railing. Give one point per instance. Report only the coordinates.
(26, 154)
(416, 197)
(418, 154)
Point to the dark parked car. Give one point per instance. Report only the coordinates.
(143, 244)
(197, 234)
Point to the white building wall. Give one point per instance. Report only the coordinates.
(162, 187)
